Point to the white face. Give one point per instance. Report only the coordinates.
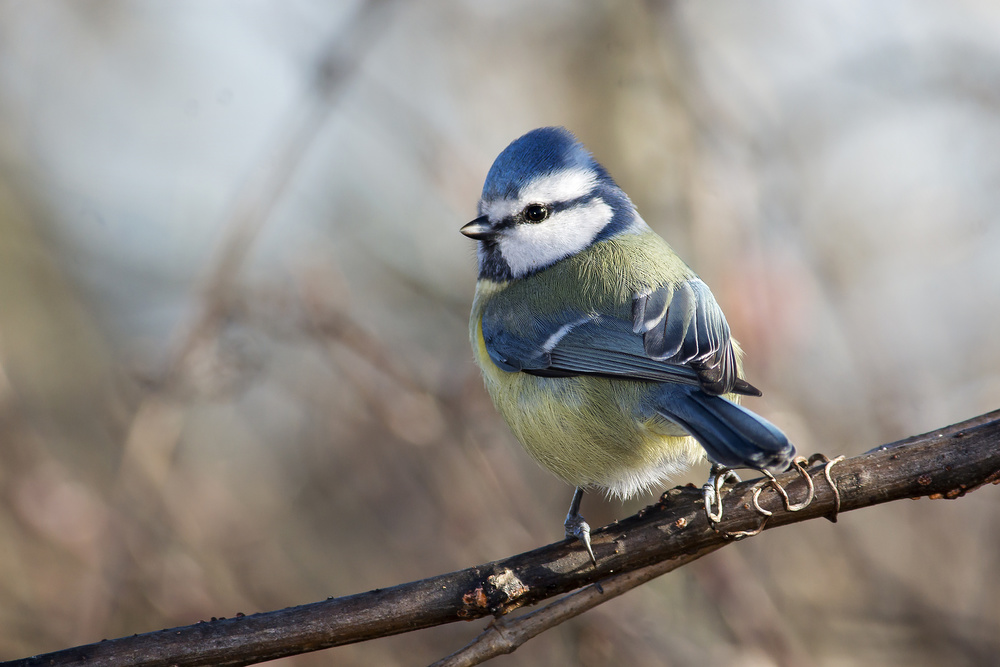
(531, 246)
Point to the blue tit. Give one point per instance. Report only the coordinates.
(607, 356)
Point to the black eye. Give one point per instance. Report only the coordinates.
(535, 212)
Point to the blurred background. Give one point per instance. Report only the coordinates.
(234, 367)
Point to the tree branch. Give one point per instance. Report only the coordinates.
(946, 463)
(506, 633)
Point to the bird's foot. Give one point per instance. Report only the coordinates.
(800, 463)
(576, 526)
(712, 491)
(829, 480)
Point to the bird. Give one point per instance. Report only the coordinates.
(607, 356)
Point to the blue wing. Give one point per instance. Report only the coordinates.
(678, 337)
(677, 334)
(683, 324)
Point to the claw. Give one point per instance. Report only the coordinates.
(576, 526)
(829, 480)
(800, 463)
(712, 491)
(756, 501)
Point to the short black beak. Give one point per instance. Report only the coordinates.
(479, 229)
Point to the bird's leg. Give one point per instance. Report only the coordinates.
(576, 526)
(712, 491)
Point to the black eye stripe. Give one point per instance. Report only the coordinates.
(556, 207)
(573, 203)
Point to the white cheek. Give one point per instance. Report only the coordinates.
(528, 247)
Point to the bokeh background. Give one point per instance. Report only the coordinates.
(234, 368)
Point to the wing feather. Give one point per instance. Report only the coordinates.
(677, 334)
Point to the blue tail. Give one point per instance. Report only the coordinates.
(732, 435)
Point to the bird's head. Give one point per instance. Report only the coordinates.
(545, 199)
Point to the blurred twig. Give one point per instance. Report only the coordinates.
(253, 205)
(263, 189)
(947, 463)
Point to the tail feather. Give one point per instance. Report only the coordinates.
(732, 435)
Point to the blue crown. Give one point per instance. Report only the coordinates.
(538, 153)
